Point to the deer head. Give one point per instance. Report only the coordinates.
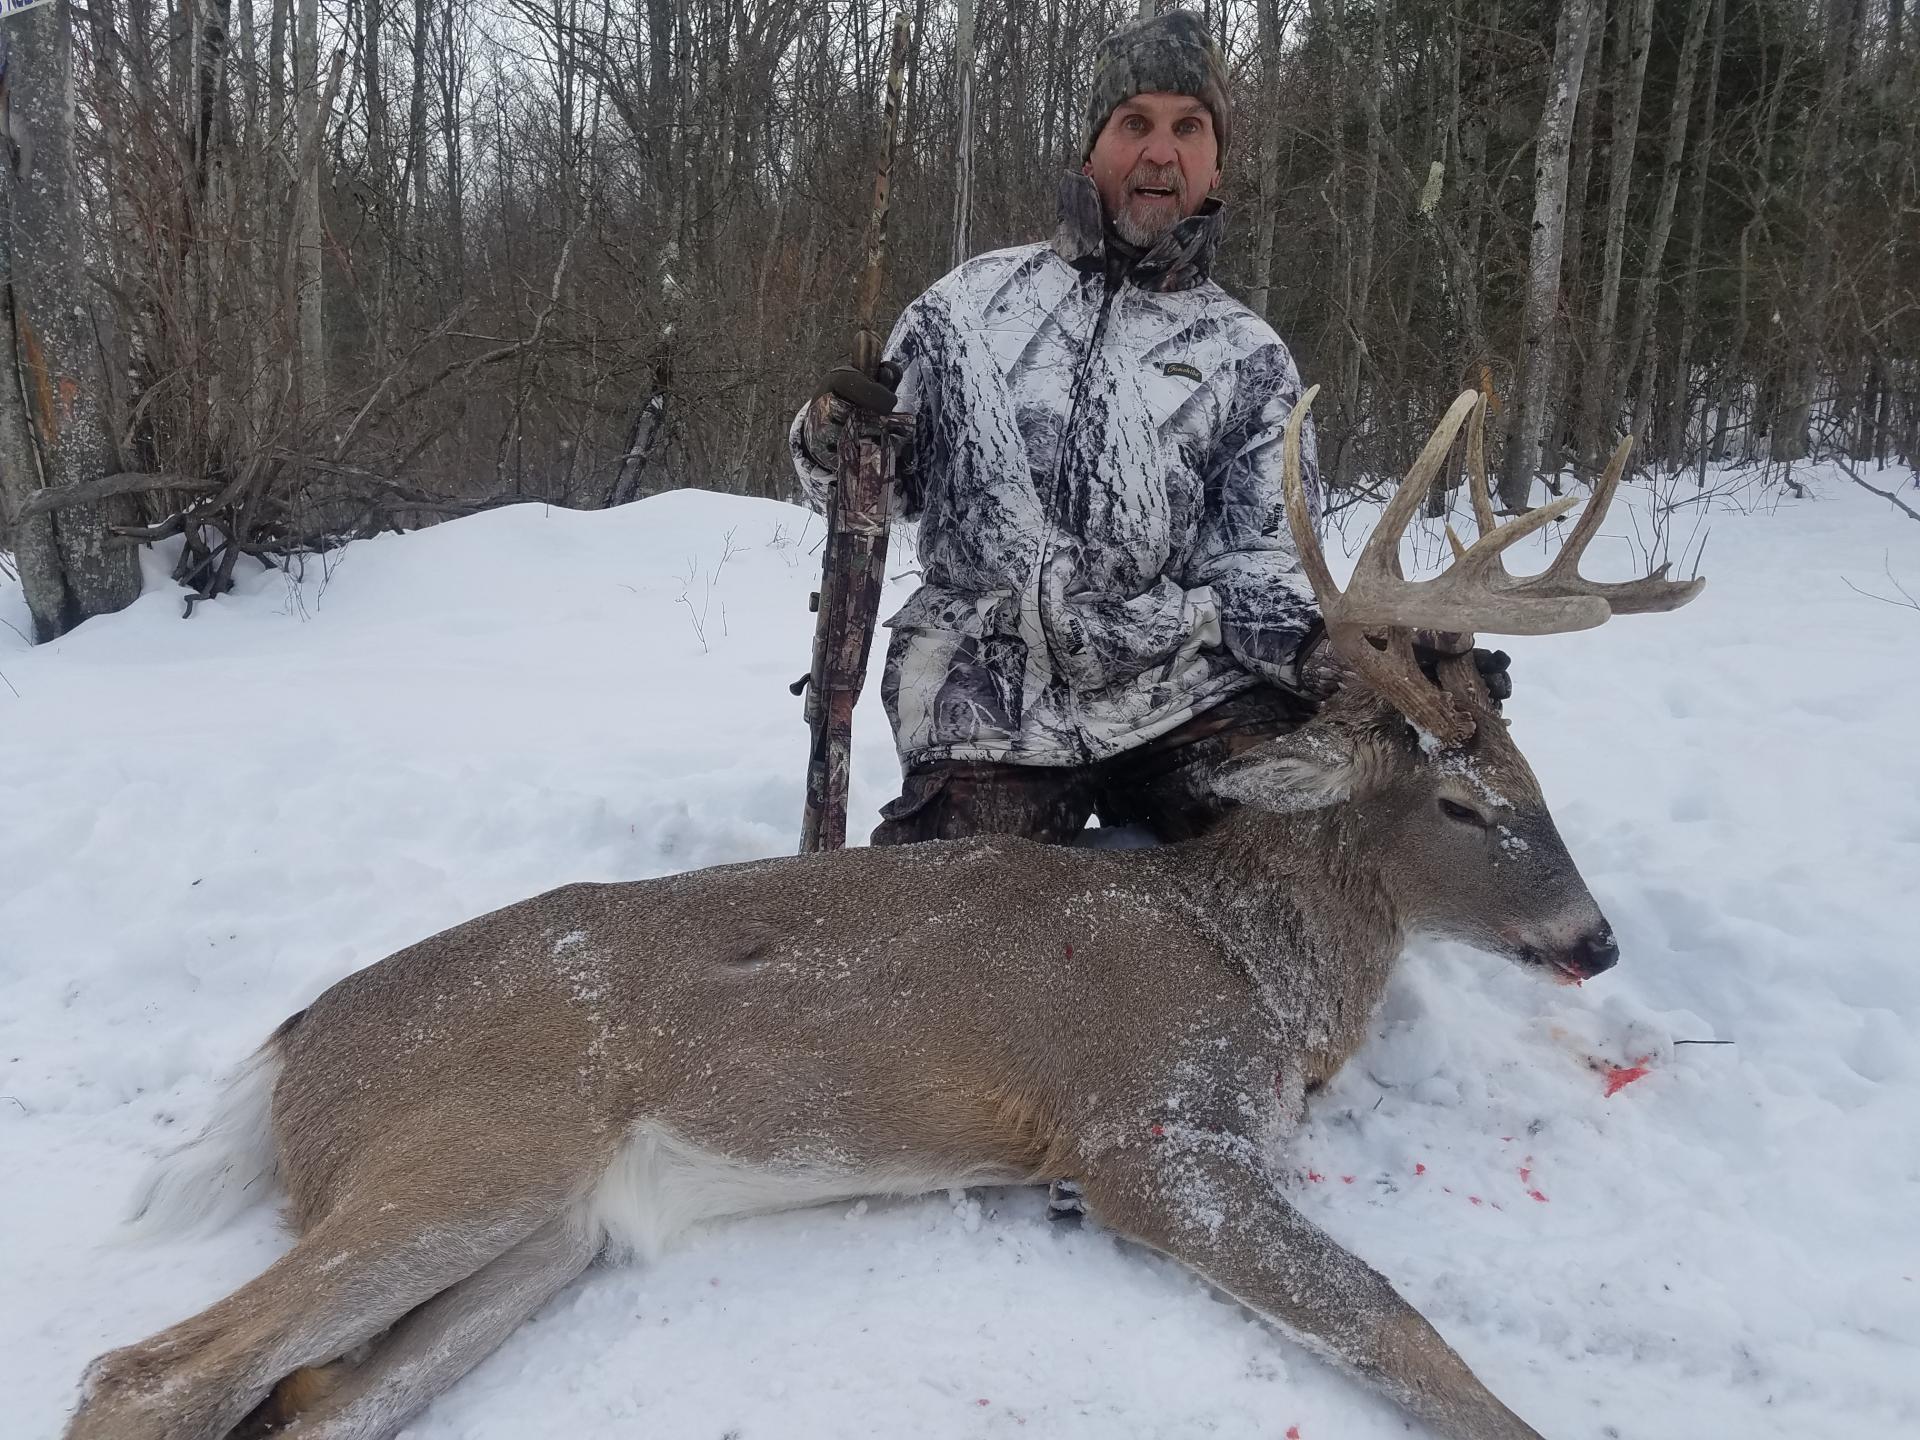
(1435, 793)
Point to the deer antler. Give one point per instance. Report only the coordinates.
(1562, 579)
(1474, 593)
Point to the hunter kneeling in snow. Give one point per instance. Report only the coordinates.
(1112, 604)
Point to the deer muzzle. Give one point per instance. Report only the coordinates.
(1590, 952)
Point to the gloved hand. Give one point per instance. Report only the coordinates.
(1430, 647)
(845, 392)
(1318, 670)
(1321, 671)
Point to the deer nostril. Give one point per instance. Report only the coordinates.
(1598, 952)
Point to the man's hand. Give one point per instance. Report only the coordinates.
(1430, 647)
(844, 393)
(1321, 672)
(1318, 670)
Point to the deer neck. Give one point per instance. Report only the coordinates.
(1298, 904)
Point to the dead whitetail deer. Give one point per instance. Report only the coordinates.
(462, 1128)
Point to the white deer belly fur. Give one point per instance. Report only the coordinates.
(661, 1185)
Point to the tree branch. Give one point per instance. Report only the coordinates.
(1887, 495)
(131, 482)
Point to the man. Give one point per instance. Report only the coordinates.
(1111, 602)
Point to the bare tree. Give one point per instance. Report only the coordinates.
(1551, 145)
(1633, 37)
(580, 250)
(53, 426)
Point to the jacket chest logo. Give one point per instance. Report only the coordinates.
(1182, 369)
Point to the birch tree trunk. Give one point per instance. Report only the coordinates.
(414, 191)
(311, 366)
(1362, 298)
(53, 428)
(1662, 228)
(1681, 396)
(1633, 38)
(1820, 174)
(1561, 393)
(1268, 219)
(963, 137)
(1543, 250)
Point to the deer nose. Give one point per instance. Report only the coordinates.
(1594, 952)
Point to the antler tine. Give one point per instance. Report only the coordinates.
(1477, 487)
(1393, 675)
(1651, 594)
(1475, 592)
(1293, 490)
(1484, 554)
(1382, 550)
(1567, 562)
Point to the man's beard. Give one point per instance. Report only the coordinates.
(1141, 222)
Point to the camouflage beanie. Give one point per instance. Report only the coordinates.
(1171, 54)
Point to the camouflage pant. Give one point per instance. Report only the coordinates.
(1165, 786)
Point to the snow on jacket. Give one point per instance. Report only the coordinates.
(1095, 469)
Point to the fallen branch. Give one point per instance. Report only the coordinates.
(1906, 600)
(1855, 476)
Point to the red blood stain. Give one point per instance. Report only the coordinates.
(1069, 956)
(1293, 1432)
(1525, 1174)
(1475, 1199)
(1621, 1076)
(983, 1402)
(1156, 1130)
(1346, 1179)
(1508, 1139)
(1315, 1176)
(1538, 1196)
(1418, 1168)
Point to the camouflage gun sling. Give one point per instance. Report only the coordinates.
(858, 514)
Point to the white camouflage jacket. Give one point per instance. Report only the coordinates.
(1095, 469)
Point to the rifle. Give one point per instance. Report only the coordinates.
(858, 512)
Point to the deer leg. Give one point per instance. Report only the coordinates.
(353, 1274)
(440, 1341)
(1207, 1201)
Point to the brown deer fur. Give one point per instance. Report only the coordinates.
(476, 1117)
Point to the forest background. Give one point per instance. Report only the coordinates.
(277, 276)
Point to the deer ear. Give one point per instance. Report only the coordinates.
(1311, 768)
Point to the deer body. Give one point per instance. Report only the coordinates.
(606, 1064)
(945, 1033)
(462, 1128)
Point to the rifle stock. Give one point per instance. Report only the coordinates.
(854, 564)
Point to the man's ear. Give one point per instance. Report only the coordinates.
(1307, 770)
(1086, 167)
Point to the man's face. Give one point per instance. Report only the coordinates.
(1156, 160)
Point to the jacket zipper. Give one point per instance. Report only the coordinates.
(1058, 508)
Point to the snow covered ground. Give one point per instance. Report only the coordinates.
(202, 824)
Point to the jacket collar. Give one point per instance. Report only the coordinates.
(1179, 260)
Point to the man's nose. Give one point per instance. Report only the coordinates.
(1160, 150)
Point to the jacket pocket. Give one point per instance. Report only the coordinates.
(956, 670)
(1111, 642)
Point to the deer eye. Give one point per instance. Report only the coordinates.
(1466, 815)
